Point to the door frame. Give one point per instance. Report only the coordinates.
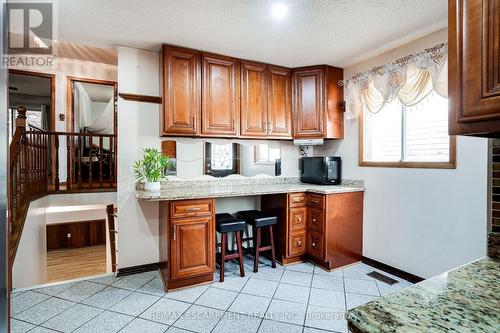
(70, 99)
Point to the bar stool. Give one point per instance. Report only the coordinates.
(259, 220)
(225, 223)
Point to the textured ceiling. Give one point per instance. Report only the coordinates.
(335, 32)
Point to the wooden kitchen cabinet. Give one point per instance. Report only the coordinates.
(265, 101)
(474, 67)
(187, 242)
(254, 118)
(324, 228)
(220, 101)
(318, 101)
(279, 102)
(181, 91)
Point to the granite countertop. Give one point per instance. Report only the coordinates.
(237, 188)
(465, 299)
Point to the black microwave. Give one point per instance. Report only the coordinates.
(321, 170)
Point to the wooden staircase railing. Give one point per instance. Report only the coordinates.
(35, 172)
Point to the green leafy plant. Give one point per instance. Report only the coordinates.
(153, 166)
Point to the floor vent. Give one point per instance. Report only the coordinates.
(382, 277)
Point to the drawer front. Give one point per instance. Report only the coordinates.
(189, 208)
(316, 220)
(316, 201)
(315, 245)
(297, 218)
(297, 200)
(297, 244)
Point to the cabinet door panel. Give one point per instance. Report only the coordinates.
(279, 102)
(220, 96)
(297, 218)
(253, 99)
(181, 91)
(474, 66)
(315, 245)
(309, 103)
(191, 247)
(297, 244)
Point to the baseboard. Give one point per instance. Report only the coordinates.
(392, 270)
(138, 269)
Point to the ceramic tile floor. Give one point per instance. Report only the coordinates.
(298, 298)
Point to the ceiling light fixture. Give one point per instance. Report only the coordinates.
(279, 10)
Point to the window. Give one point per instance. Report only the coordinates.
(221, 160)
(266, 154)
(402, 136)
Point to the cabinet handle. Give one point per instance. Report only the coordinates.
(175, 231)
(295, 200)
(192, 209)
(269, 127)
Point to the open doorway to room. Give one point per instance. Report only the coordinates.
(34, 91)
(92, 118)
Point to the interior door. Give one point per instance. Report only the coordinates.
(309, 98)
(192, 252)
(220, 96)
(181, 91)
(253, 99)
(279, 102)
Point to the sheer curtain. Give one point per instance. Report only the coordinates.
(409, 79)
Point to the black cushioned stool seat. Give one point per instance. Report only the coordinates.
(228, 223)
(259, 220)
(225, 223)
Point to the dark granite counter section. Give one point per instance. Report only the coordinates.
(465, 299)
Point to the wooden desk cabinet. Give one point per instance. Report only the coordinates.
(187, 242)
(326, 229)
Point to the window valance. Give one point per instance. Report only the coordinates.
(409, 79)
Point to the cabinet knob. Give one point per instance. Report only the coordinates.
(314, 244)
(299, 243)
(299, 219)
(314, 220)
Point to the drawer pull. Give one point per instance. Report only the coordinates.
(192, 209)
(314, 244)
(295, 200)
(299, 243)
(314, 220)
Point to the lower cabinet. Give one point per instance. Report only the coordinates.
(187, 242)
(324, 228)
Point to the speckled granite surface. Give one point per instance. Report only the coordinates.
(240, 187)
(466, 299)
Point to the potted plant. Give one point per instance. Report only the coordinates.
(152, 168)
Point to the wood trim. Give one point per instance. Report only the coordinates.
(138, 269)
(141, 98)
(392, 270)
(452, 164)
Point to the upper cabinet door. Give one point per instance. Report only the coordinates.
(181, 91)
(279, 102)
(309, 103)
(220, 96)
(253, 99)
(474, 66)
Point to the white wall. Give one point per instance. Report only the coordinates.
(424, 221)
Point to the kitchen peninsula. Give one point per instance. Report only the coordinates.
(319, 223)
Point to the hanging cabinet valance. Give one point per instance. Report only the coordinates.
(409, 79)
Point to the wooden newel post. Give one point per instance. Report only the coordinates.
(21, 117)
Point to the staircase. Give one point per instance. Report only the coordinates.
(34, 169)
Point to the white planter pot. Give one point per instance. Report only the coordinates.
(152, 186)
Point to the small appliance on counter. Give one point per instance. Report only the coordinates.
(321, 170)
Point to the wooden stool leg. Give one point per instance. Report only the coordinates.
(273, 257)
(240, 252)
(222, 255)
(257, 249)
